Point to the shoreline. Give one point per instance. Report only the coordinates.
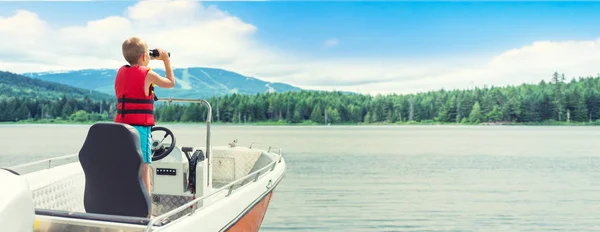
(272, 123)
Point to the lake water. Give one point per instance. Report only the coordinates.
(403, 178)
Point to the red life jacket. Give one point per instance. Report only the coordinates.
(133, 106)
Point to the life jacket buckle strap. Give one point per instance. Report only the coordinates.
(122, 100)
(136, 100)
(135, 112)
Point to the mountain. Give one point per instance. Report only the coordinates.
(15, 85)
(190, 83)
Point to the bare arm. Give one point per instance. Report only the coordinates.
(160, 81)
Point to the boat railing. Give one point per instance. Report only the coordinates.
(208, 117)
(50, 161)
(254, 176)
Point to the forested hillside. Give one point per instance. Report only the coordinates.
(577, 100)
(24, 98)
(550, 102)
(14, 85)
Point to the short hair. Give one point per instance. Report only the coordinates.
(133, 48)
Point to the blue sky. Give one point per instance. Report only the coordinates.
(410, 29)
(395, 29)
(377, 30)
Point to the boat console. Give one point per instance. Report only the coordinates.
(175, 170)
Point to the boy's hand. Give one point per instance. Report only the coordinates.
(162, 54)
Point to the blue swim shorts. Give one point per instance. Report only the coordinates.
(145, 141)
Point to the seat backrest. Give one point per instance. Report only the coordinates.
(111, 161)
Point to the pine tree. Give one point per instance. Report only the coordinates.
(475, 116)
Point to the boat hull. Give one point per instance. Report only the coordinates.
(251, 219)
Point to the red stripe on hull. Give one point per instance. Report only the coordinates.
(253, 219)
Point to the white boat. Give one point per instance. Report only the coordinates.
(194, 188)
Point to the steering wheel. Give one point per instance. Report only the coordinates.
(158, 148)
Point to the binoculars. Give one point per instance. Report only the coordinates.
(154, 53)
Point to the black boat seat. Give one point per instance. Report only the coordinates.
(111, 160)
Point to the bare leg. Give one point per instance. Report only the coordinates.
(146, 178)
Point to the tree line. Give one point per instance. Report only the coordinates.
(556, 100)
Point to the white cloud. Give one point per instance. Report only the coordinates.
(197, 34)
(331, 43)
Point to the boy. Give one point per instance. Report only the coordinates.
(134, 89)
